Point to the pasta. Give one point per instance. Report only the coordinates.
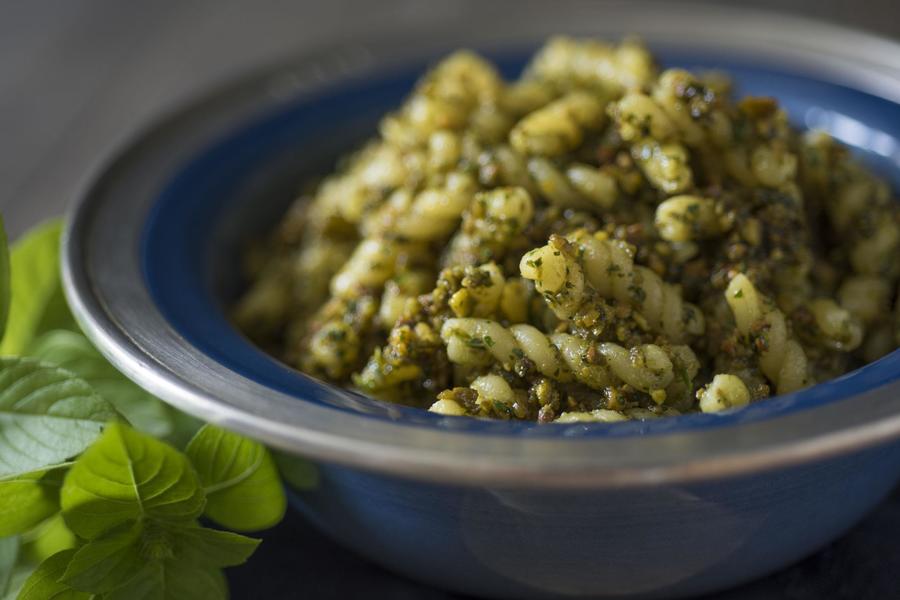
(558, 127)
(431, 214)
(563, 268)
(781, 357)
(595, 416)
(687, 218)
(593, 64)
(838, 328)
(371, 265)
(723, 392)
(491, 225)
(858, 206)
(649, 131)
(599, 240)
(692, 108)
(558, 356)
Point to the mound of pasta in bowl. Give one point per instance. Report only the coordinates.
(599, 240)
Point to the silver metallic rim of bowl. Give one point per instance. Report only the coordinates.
(106, 291)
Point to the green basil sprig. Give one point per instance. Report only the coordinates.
(92, 504)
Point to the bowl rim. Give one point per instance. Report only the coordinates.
(106, 291)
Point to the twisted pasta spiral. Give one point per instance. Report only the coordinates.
(866, 297)
(333, 341)
(652, 137)
(687, 218)
(594, 64)
(472, 291)
(445, 99)
(493, 395)
(329, 343)
(858, 205)
(693, 107)
(638, 116)
(781, 359)
(838, 329)
(399, 292)
(608, 267)
(559, 356)
(666, 166)
(297, 282)
(557, 276)
(874, 234)
(763, 155)
(558, 127)
(352, 193)
(723, 392)
(372, 263)
(492, 222)
(600, 415)
(480, 291)
(578, 185)
(430, 214)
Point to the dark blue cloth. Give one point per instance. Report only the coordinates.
(296, 561)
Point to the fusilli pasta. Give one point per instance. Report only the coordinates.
(561, 268)
(559, 356)
(598, 240)
(781, 358)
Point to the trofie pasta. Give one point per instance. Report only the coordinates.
(599, 240)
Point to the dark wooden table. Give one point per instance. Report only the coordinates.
(78, 77)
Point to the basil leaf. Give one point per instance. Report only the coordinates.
(107, 563)
(212, 548)
(132, 557)
(238, 475)
(43, 584)
(187, 581)
(113, 560)
(172, 580)
(26, 500)
(74, 352)
(4, 280)
(9, 552)
(47, 539)
(126, 475)
(47, 415)
(37, 303)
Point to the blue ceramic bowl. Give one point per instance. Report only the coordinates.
(667, 508)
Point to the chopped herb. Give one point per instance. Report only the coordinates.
(638, 293)
(475, 342)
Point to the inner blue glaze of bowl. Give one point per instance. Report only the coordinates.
(216, 201)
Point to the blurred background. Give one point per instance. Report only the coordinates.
(77, 77)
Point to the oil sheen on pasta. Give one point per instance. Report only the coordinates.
(597, 241)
